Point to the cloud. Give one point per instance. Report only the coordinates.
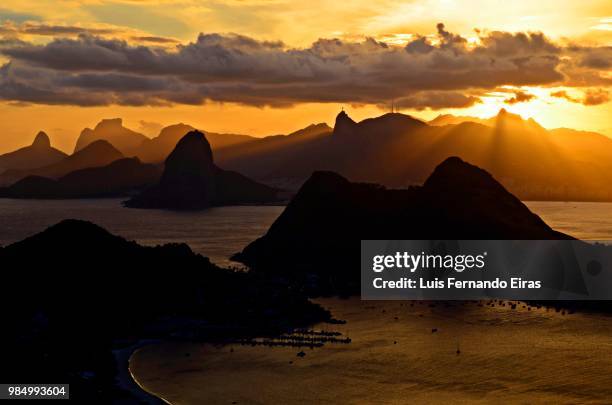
(590, 97)
(11, 30)
(436, 100)
(596, 97)
(565, 95)
(441, 72)
(29, 28)
(596, 58)
(519, 97)
(154, 39)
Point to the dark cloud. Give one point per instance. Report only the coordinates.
(34, 85)
(565, 95)
(9, 29)
(157, 40)
(594, 57)
(587, 66)
(436, 100)
(419, 45)
(517, 45)
(445, 73)
(596, 97)
(60, 30)
(519, 97)
(590, 97)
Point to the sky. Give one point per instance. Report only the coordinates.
(264, 67)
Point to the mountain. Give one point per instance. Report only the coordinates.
(157, 149)
(398, 151)
(81, 294)
(113, 131)
(38, 154)
(352, 149)
(318, 233)
(116, 179)
(192, 181)
(449, 119)
(260, 158)
(98, 153)
(387, 125)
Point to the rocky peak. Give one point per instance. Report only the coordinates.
(344, 124)
(189, 174)
(41, 140)
(112, 123)
(192, 181)
(172, 131)
(455, 174)
(193, 150)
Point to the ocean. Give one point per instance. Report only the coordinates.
(217, 233)
(220, 232)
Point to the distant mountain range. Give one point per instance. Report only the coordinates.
(96, 154)
(398, 150)
(151, 150)
(157, 149)
(120, 177)
(113, 131)
(449, 119)
(394, 149)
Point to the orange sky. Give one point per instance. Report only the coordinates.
(278, 88)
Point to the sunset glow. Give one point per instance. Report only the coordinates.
(67, 64)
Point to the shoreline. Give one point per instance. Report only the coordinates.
(126, 380)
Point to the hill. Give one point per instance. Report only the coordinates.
(116, 179)
(40, 153)
(96, 154)
(82, 293)
(319, 232)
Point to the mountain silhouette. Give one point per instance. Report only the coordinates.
(156, 150)
(398, 151)
(81, 293)
(318, 233)
(344, 124)
(352, 149)
(450, 119)
(116, 179)
(265, 158)
(390, 124)
(192, 181)
(38, 154)
(112, 130)
(98, 153)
